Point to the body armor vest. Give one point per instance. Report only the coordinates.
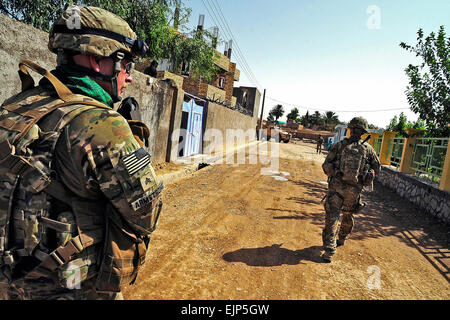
(30, 125)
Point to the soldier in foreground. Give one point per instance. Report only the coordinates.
(350, 165)
(78, 196)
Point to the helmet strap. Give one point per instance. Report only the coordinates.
(117, 68)
(100, 76)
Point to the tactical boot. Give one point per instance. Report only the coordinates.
(326, 257)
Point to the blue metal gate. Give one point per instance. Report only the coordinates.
(194, 107)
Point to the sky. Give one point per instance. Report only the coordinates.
(325, 55)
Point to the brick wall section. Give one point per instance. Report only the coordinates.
(232, 67)
(229, 85)
(191, 86)
(237, 75)
(222, 61)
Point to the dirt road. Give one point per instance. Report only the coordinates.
(228, 232)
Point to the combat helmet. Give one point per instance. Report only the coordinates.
(360, 123)
(95, 31)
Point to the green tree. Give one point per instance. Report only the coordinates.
(38, 13)
(419, 124)
(193, 51)
(293, 115)
(316, 119)
(392, 124)
(148, 18)
(305, 120)
(330, 119)
(400, 123)
(277, 112)
(428, 92)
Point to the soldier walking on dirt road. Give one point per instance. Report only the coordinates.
(78, 196)
(350, 165)
(319, 145)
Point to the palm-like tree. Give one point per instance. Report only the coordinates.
(316, 118)
(277, 112)
(293, 115)
(331, 119)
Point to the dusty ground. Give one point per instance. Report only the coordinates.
(228, 232)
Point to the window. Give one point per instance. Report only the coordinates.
(185, 69)
(221, 83)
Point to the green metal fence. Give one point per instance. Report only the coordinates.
(377, 145)
(395, 151)
(429, 156)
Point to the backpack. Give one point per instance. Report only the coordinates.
(352, 161)
(27, 185)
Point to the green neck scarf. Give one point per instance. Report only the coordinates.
(82, 84)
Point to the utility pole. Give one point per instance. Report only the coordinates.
(261, 118)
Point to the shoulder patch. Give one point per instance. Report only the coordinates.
(136, 161)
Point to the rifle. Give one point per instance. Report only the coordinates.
(366, 165)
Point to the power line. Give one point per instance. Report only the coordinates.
(239, 56)
(326, 110)
(219, 10)
(214, 9)
(219, 22)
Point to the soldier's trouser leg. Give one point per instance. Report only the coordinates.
(347, 224)
(47, 289)
(352, 204)
(41, 289)
(332, 206)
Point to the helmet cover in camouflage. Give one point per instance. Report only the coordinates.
(359, 122)
(78, 17)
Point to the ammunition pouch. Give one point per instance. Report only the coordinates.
(368, 178)
(123, 252)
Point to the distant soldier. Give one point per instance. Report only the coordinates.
(319, 145)
(350, 165)
(78, 196)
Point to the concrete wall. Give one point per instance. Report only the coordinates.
(432, 200)
(20, 41)
(156, 97)
(222, 118)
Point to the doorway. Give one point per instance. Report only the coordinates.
(190, 141)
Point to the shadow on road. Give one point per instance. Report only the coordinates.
(313, 188)
(386, 214)
(273, 255)
(303, 200)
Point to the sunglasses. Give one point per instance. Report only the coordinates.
(129, 66)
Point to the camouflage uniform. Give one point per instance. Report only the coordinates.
(343, 196)
(98, 162)
(319, 145)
